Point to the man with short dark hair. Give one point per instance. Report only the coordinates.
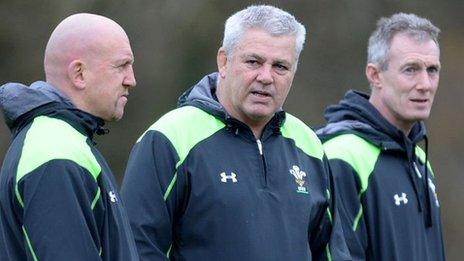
(229, 175)
(390, 209)
(58, 198)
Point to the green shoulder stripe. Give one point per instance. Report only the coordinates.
(360, 154)
(305, 139)
(421, 155)
(49, 139)
(185, 127)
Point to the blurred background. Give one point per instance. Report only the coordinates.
(175, 44)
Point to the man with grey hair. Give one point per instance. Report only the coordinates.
(390, 208)
(229, 175)
(58, 198)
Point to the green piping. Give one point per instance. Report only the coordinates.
(327, 252)
(95, 199)
(329, 214)
(18, 196)
(29, 244)
(171, 185)
(357, 218)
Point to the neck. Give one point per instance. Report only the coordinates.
(256, 126)
(257, 130)
(404, 126)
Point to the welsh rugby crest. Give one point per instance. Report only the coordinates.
(299, 179)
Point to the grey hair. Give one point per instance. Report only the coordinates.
(411, 25)
(273, 20)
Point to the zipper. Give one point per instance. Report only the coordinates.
(260, 148)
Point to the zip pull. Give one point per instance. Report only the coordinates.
(417, 169)
(260, 147)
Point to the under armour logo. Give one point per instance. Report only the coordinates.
(225, 177)
(112, 196)
(399, 199)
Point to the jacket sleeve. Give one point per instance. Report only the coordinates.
(350, 208)
(151, 195)
(58, 220)
(328, 243)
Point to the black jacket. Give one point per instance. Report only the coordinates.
(199, 186)
(58, 199)
(390, 207)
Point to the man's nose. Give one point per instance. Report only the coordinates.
(265, 74)
(425, 81)
(129, 79)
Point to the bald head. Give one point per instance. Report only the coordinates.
(88, 57)
(79, 36)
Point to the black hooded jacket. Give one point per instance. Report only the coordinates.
(200, 186)
(58, 198)
(390, 210)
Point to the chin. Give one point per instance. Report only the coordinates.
(117, 117)
(261, 113)
(114, 117)
(419, 117)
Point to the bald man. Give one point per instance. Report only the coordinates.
(58, 198)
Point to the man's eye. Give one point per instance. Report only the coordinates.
(410, 70)
(123, 66)
(281, 67)
(252, 62)
(432, 69)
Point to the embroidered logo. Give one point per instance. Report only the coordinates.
(299, 179)
(112, 196)
(225, 178)
(399, 199)
(432, 187)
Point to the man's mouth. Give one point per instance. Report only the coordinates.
(419, 100)
(260, 93)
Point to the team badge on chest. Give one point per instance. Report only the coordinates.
(299, 179)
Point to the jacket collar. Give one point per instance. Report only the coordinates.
(20, 104)
(203, 96)
(355, 114)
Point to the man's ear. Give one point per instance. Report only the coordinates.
(221, 60)
(373, 75)
(76, 73)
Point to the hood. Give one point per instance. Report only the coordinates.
(355, 114)
(203, 96)
(17, 99)
(20, 104)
